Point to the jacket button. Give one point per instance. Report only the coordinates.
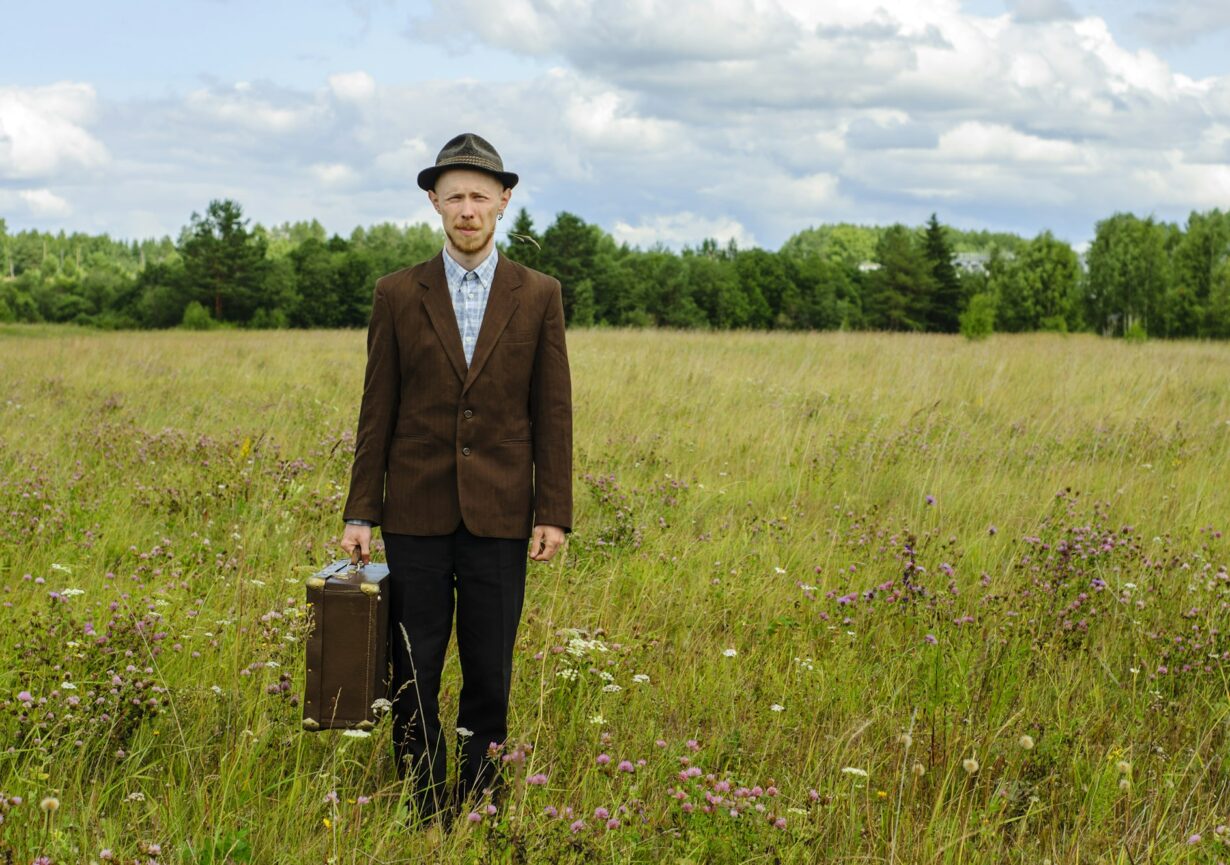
(465, 451)
(467, 413)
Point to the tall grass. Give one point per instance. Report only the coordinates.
(832, 597)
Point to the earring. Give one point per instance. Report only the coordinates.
(500, 216)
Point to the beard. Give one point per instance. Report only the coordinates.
(470, 243)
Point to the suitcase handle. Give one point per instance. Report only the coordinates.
(356, 561)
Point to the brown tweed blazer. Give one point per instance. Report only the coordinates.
(438, 442)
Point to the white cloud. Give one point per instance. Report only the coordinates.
(353, 86)
(43, 130)
(1179, 22)
(334, 173)
(246, 107)
(1032, 11)
(45, 203)
(682, 229)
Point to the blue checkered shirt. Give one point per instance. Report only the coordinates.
(469, 290)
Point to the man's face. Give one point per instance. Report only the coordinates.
(468, 203)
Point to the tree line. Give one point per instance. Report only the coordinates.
(1140, 276)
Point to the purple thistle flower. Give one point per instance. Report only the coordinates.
(577, 826)
(603, 759)
(537, 780)
(930, 499)
(930, 638)
(331, 798)
(626, 766)
(550, 811)
(474, 817)
(601, 813)
(612, 823)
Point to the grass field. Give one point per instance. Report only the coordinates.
(832, 597)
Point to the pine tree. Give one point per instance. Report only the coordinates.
(944, 304)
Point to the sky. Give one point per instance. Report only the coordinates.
(663, 121)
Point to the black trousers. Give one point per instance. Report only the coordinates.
(483, 580)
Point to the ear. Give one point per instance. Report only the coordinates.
(504, 198)
(435, 201)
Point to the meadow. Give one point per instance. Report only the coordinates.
(829, 598)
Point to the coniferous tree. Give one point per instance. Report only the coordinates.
(224, 263)
(943, 307)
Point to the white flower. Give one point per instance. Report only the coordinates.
(612, 688)
(906, 740)
(72, 593)
(730, 653)
(640, 678)
(970, 765)
(381, 705)
(779, 570)
(464, 733)
(605, 676)
(1026, 742)
(215, 689)
(56, 566)
(777, 707)
(257, 582)
(597, 719)
(852, 770)
(68, 686)
(356, 734)
(136, 796)
(567, 673)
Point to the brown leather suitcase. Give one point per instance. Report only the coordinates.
(347, 645)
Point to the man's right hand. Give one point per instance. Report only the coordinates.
(358, 538)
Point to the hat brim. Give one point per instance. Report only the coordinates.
(429, 176)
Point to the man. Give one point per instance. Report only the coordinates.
(463, 451)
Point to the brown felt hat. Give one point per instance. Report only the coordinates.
(471, 151)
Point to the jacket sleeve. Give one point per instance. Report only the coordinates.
(551, 419)
(377, 414)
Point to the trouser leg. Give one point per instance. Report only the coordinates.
(490, 593)
(420, 601)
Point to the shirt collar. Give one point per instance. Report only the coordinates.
(484, 270)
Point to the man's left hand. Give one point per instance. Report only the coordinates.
(545, 541)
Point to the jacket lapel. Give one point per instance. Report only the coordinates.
(501, 304)
(440, 310)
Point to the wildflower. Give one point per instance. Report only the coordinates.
(597, 719)
(919, 770)
(603, 759)
(906, 740)
(640, 679)
(660, 743)
(25, 697)
(779, 571)
(930, 639)
(105, 854)
(381, 705)
(331, 798)
(851, 770)
(537, 780)
(356, 733)
(1125, 784)
(50, 804)
(779, 823)
(577, 826)
(154, 849)
(970, 765)
(693, 745)
(612, 823)
(1026, 742)
(777, 707)
(363, 800)
(601, 813)
(930, 499)
(612, 688)
(1194, 839)
(550, 811)
(626, 766)
(464, 733)
(1124, 767)
(491, 809)
(474, 817)
(730, 653)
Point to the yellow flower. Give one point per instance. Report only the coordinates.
(880, 794)
(328, 823)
